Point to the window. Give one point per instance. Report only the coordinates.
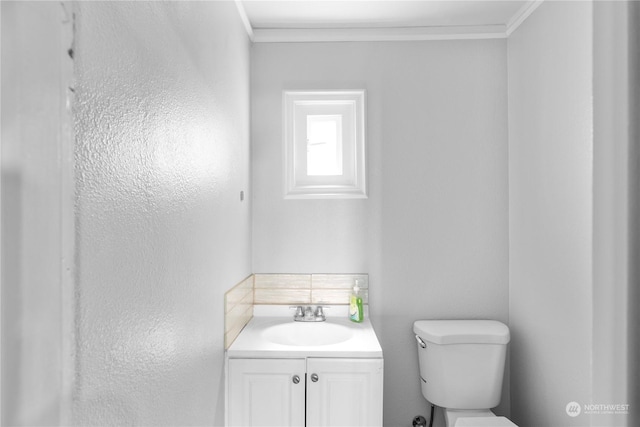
(324, 144)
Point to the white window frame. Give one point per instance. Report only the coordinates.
(297, 105)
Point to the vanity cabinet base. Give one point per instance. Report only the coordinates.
(322, 392)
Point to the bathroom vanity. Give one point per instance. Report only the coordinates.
(286, 373)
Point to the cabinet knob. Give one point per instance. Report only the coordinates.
(314, 377)
(296, 379)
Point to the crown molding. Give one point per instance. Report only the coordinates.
(300, 35)
(245, 19)
(293, 35)
(522, 14)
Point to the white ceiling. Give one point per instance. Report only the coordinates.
(334, 20)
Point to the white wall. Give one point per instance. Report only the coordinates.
(634, 213)
(37, 213)
(551, 213)
(162, 153)
(612, 226)
(616, 194)
(433, 232)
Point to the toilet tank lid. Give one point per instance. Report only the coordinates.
(462, 331)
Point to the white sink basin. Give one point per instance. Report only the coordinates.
(307, 333)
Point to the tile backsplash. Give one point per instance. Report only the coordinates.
(336, 288)
(287, 289)
(282, 288)
(238, 309)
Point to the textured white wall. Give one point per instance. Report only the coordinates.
(162, 153)
(551, 213)
(433, 232)
(37, 213)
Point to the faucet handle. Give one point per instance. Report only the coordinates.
(320, 313)
(299, 313)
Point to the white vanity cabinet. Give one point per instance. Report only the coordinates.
(305, 392)
(266, 392)
(344, 392)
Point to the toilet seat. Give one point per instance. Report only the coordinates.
(484, 422)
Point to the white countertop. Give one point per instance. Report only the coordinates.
(253, 342)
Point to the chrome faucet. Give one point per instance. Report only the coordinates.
(307, 314)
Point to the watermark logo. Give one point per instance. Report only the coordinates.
(573, 409)
(606, 409)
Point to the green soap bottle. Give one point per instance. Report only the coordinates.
(356, 313)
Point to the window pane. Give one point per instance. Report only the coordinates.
(324, 145)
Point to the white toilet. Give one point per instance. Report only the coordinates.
(461, 368)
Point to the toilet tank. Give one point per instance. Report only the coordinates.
(462, 362)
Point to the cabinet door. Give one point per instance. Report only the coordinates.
(346, 392)
(265, 392)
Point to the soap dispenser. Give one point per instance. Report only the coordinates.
(356, 313)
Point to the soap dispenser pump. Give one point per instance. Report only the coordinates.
(356, 313)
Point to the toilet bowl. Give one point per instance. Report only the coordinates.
(470, 418)
(462, 367)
